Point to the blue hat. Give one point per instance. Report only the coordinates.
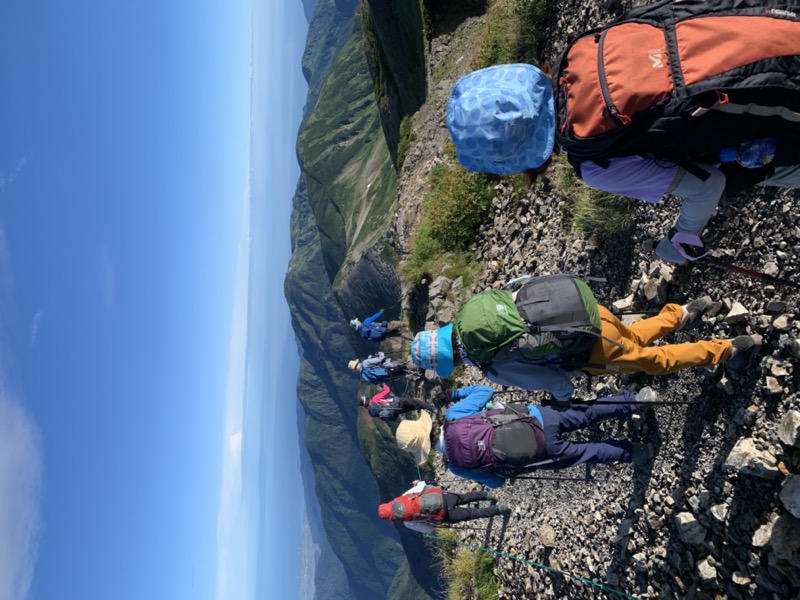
(502, 119)
(434, 350)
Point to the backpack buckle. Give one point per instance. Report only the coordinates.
(722, 98)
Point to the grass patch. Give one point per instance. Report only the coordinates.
(501, 36)
(512, 32)
(467, 573)
(407, 136)
(452, 213)
(591, 210)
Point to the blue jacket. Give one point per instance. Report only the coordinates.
(371, 331)
(373, 369)
(550, 378)
(471, 401)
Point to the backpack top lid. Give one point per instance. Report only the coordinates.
(433, 350)
(385, 510)
(487, 322)
(502, 119)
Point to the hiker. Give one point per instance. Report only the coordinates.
(373, 331)
(379, 368)
(423, 506)
(504, 441)
(541, 332)
(414, 436)
(736, 98)
(389, 410)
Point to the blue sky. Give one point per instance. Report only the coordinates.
(125, 231)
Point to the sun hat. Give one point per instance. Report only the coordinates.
(502, 119)
(415, 436)
(433, 350)
(353, 364)
(354, 323)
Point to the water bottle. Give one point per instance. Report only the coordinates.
(750, 153)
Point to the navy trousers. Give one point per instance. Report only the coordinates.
(565, 453)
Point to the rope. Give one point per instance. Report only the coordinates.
(534, 564)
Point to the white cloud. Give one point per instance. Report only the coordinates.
(20, 492)
(36, 322)
(9, 177)
(6, 271)
(235, 444)
(229, 517)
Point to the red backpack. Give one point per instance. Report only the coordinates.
(682, 80)
(426, 505)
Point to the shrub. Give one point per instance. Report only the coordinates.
(457, 205)
(501, 37)
(467, 573)
(512, 32)
(407, 136)
(590, 210)
(452, 213)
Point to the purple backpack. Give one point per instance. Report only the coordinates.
(500, 441)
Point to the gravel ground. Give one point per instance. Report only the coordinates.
(715, 514)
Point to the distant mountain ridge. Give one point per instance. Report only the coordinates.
(342, 264)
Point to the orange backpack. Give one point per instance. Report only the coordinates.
(682, 80)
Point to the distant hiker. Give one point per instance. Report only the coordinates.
(540, 332)
(490, 445)
(716, 82)
(380, 368)
(424, 506)
(414, 436)
(389, 410)
(373, 331)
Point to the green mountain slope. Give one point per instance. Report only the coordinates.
(345, 162)
(346, 490)
(348, 493)
(343, 264)
(395, 48)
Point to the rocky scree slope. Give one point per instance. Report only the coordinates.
(716, 514)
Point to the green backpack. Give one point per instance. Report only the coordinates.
(552, 317)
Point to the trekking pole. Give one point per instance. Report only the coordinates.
(649, 311)
(655, 402)
(550, 478)
(445, 527)
(720, 264)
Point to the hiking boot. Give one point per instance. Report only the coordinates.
(667, 252)
(644, 411)
(642, 453)
(646, 394)
(744, 348)
(491, 496)
(694, 311)
(503, 509)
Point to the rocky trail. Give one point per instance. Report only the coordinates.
(716, 514)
